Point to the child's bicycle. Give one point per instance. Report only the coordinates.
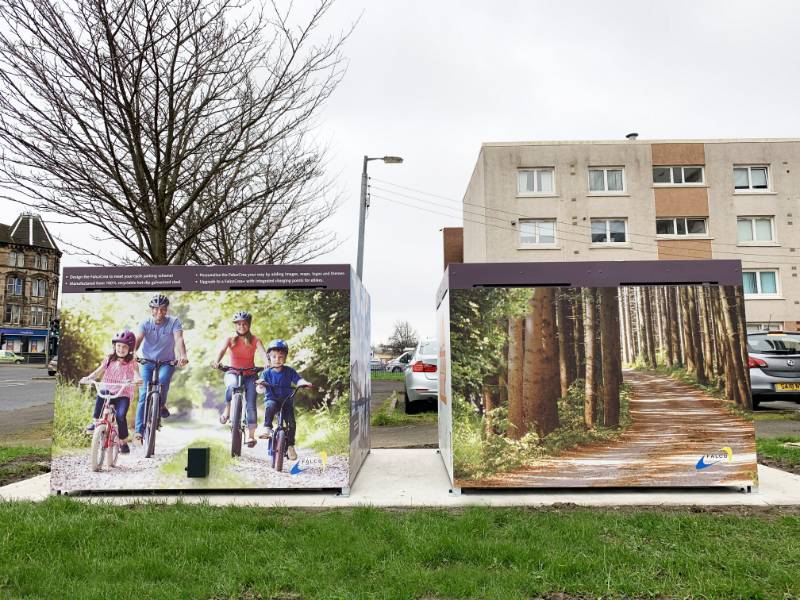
(237, 419)
(105, 439)
(277, 444)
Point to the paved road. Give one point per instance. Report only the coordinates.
(26, 404)
(778, 427)
(422, 435)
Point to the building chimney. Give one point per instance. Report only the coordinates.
(632, 136)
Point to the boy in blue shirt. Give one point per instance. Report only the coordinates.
(276, 384)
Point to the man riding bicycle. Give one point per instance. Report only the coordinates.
(158, 337)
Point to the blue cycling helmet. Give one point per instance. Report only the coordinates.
(278, 345)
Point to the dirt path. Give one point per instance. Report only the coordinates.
(71, 472)
(673, 426)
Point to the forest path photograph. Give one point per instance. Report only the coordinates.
(673, 426)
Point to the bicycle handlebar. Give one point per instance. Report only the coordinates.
(105, 388)
(158, 363)
(222, 367)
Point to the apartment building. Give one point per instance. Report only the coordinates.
(638, 199)
(29, 267)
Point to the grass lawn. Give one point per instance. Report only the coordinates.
(772, 452)
(64, 548)
(385, 416)
(21, 462)
(387, 376)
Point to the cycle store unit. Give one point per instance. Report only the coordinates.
(595, 374)
(125, 421)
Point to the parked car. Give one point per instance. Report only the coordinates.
(774, 363)
(396, 365)
(52, 366)
(421, 377)
(7, 356)
(375, 365)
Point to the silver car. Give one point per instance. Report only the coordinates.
(774, 362)
(421, 377)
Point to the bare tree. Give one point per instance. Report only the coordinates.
(179, 129)
(403, 336)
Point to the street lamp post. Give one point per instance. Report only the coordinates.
(363, 208)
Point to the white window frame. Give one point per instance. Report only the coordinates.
(16, 259)
(12, 290)
(608, 231)
(15, 316)
(605, 191)
(38, 314)
(535, 170)
(754, 242)
(41, 262)
(683, 183)
(750, 189)
(681, 236)
(759, 293)
(39, 288)
(538, 244)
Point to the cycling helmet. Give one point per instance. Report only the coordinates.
(242, 315)
(278, 345)
(125, 337)
(158, 300)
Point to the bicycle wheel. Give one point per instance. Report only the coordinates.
(278, 448)
(153, 407)
(236, 425)
(98, 451)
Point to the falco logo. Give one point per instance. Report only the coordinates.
(308, 462)
(709, 460)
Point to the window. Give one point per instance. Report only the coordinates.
(606, 179)
(39, 288)
(40, 262)
(536, 181)
(754, 229)
(609, 231)
(760, 283)
(678, 175)
(36, 344)
(681, 226)
(14, 286)
(16, 259)
(13, 313)
(758, 327)
(750, 178)
(38, 315)
(537, 231)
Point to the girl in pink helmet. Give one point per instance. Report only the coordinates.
(118, 367)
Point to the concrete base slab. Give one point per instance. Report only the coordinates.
(417, 478)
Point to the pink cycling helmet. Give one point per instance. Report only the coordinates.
(125, 337)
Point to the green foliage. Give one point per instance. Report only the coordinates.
(479, 332)
(387, 376)
(72, 413)
(80, 349)
(325, 429)
(21, 462)
(220, 475)
(385, 416)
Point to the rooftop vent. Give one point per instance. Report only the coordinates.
(632, 136)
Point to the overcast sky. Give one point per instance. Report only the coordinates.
(431, 81)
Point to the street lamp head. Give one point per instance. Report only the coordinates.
(392, 159)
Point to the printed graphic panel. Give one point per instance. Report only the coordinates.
(360, 381)
(601, 386)
(313, 321)
(445, 393)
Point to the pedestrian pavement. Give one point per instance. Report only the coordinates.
(417, 478)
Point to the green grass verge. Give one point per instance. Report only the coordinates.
(788, 415)
(61, 549)
(219, 476)
(773, 449)
(21, 462)
(386, 417)
(387, 376)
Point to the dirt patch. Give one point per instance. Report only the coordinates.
(23, 467)
(780, 464)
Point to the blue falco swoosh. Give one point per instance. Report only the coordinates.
(701, 464)
(296, 470)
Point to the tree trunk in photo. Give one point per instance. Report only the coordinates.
(725, 365)
(566, 355)
(674, 325)
(590, 344)
(737, 361)
(641, 338)
(623, 312)
(747, 400)
(611, 362)
(491, 400)
(655, 296)
(515, 414)
(669, 341)
(706, 332)
(694, 329)
(686, 325)
(647, 313)
(541, 380)
(577, 337)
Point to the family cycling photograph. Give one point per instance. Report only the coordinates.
(260, 377)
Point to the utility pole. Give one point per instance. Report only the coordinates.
(364, 204)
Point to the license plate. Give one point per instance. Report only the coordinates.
(787, 387)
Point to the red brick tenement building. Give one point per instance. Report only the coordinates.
(29, 270)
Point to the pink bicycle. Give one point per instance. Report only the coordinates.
(105, 439)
